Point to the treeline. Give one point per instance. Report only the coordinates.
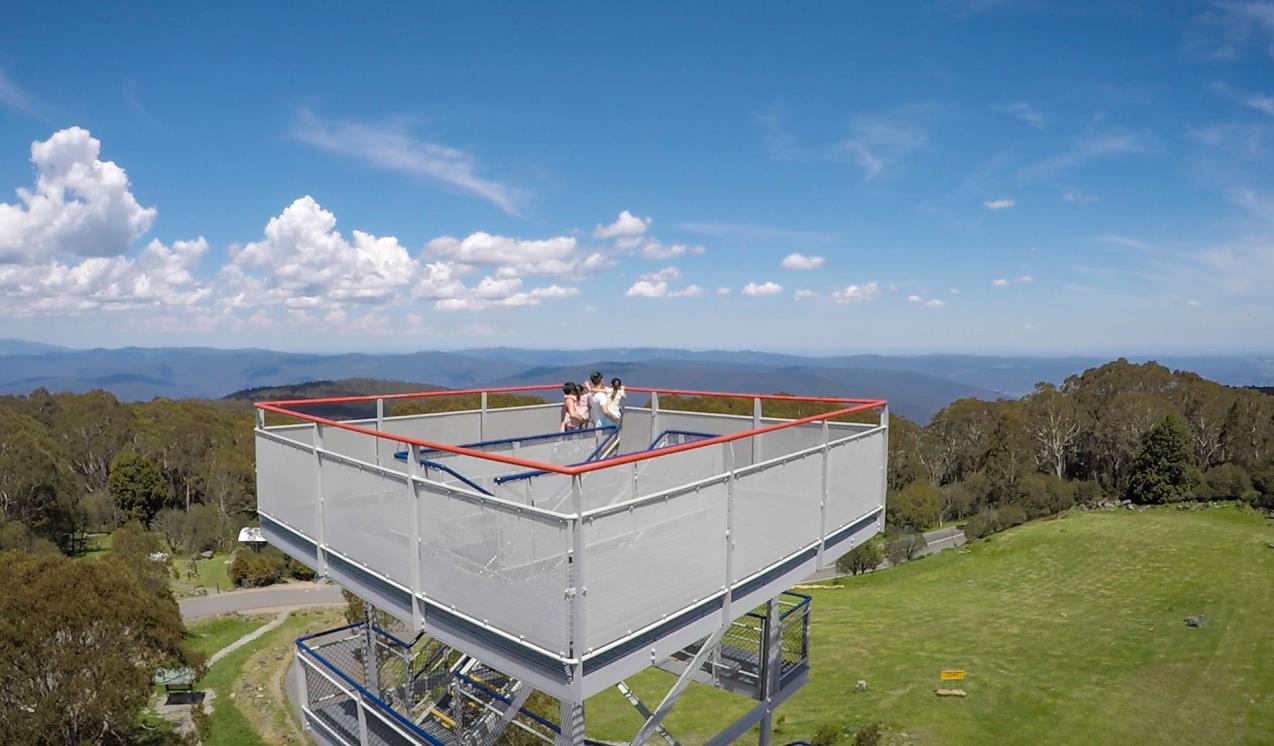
(75, 463)
(1116, 432)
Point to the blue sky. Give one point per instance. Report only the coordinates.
(1024, 177)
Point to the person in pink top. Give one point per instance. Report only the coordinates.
(574, 408)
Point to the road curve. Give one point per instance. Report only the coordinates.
(273, 597)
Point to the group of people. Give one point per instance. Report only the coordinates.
(593, 404)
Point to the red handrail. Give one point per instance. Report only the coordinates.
(278, 407)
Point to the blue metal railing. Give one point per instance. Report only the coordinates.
(654, 446)
(367, 696)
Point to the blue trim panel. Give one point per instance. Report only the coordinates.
(665, 628)
(843, 534)
(303, 549)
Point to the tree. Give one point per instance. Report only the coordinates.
(75, 667)
(904, 546)
(1053, 420)
(1162, 472)
(136, 486)
(918, 506)
(863, 558)
(91, 428)
(36, 488)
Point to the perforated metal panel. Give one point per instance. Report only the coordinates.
(644, 563)
(502, 567)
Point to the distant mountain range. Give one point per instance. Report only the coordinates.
(916, 386)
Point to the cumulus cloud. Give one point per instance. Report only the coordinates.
(159, 277)
(79, 206)
(764, 288)
(391, 148)
(654, 249)
(558, 256)
(856, 293)
(802, 262)
(926, 302)
(304, 260)
(627, 225)
(1005, 281)
(655, 285)
(999, 204)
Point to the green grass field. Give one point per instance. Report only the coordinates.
(207, 636)
(231, 726)
(1071, 630)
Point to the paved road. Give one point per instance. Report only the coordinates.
(936, 540)
(274, 597)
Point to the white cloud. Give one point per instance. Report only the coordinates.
(1078, 197)
(655, 249)
(804, 294)
(998, 204)
(558, 256)
(764, 288)
(856, 293)
(12, 95)
(1087, 148)
(159, 277)
(390, 148)
(80, 206)
(1005, 282)
(655, 285)
(1024, 112)
(875, 144)
(802, 262)
(304, 260)
(627, 225)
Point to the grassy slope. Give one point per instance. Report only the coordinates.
(1071, 630)
(230, 726)
(210, 635)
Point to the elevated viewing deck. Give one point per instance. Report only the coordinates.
(571, 560)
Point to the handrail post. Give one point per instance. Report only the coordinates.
(572, 712)
(756, 423)
(380, 427)
(654, 417)
(822, 502)
(413, 465)
(318, 490)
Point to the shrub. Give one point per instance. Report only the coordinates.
(1227, 482)
(826, 735)
(863, 558)
(257, 569)
(1088, 493)
(870, 734)
(904, 546)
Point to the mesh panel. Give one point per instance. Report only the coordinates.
(855, 479)
(494, 565)
(791, 440)
(776, 512)
(654, 559)
(285, 484)
(515, 422)
(366, 516)
(676, 469)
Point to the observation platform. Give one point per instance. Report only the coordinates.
(569, 561)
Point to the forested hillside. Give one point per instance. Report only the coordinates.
(71, 463)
